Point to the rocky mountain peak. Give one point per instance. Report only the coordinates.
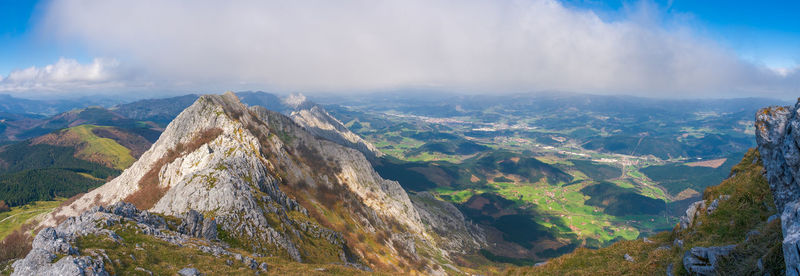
(266, 180)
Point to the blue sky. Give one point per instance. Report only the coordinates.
(763, 31)
(19, 48)
(22, 45)
(450, 45)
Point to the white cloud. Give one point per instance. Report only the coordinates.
(295, 100)
(362, 45)
(64, 75)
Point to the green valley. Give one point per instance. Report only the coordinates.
(584, 174)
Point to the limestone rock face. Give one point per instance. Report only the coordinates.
(454, 232)
(317, 121)
(790, 225)
(222, 165)
(195, 225)
(778, 137)
(313, 118)
(687, 220)
(703, 260)
(51, 242)
(61, 240)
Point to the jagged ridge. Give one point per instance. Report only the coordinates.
(264, 178)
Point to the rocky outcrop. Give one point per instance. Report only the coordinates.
(196, 226)
(703, 260)
(687, 220)
(629, 258)
(317, 121)
(454, 232)
(60, 241)
(715, 204)
(695, 209)
(778, 137)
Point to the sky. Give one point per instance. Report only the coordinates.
(672, 49)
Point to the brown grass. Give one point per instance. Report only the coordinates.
(150, 192)
(17, 244)
(314, 159)
(97, 200)
(60, 218)
(345, 205)
(68, 202)
(4, 207)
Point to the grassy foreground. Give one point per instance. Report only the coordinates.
(137, 253)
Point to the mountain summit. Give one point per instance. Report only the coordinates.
(272, 188)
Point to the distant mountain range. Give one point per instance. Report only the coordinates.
(11, 104)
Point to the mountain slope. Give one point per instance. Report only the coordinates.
(112, 147)
(30, 127)
(66, 162)
(314, 118)
(13, 124)
(317, 121)
(274, 188)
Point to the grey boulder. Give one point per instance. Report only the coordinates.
(703, 260)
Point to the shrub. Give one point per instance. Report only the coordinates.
(17, 244)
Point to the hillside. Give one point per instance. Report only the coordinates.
(160, 111)
(18, 128)
(735, 222)
(13, 124)
(270, 187)
(66, 162)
